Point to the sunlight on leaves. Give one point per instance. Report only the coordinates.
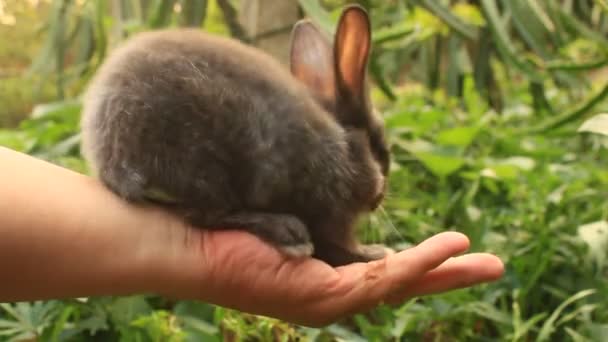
(597, 124)
(595, 235)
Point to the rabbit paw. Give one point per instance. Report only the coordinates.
(288, 233)
(374, 252)
(292, 236)
(298, 251)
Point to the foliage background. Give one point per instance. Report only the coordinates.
(482, 102)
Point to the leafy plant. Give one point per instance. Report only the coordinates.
(481, 102)
(442, 42)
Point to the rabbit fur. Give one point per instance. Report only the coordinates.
(226, 137)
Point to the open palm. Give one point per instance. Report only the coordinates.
(242, 272)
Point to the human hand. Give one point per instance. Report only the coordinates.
(237, 270)
(126, 249)
(91, 243)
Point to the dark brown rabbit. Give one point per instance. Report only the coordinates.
(224, 136)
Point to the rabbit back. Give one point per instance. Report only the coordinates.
(213, 124)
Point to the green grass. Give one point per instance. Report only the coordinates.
(457, 166)
(18, 96)
(18, 43)
(518, 184)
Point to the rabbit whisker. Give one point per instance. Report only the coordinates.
(390, 223)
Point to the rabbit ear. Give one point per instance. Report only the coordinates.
(351, 49)
(312, 61)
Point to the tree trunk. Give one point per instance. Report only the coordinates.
(269, 23)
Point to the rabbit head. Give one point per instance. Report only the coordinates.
(224, 136)
(336, 75)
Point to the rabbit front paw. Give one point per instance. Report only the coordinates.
(374, 252)
(286, 232)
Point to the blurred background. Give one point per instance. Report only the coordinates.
(494, 110)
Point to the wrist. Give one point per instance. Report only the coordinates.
(64, 235)
(170, 256)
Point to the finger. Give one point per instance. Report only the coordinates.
(426, 256)
(373, 282)
(455, 273)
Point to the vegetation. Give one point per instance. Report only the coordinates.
(17, 46)
(493, 110)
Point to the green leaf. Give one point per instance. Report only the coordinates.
(60, 323)
(475, 105)
(126, 309)
(487, 311)
(503, 40)
(195, 309)
(557, 65)
(580, 28)
(15, 140)
(32, 318)
(575, 113)
(529, 325)
(57, 109)
(377, 73)
(550, 326)
(161, 13)
(418, 122)
(469, 13)
(193, 12)
(501, 171)
(450, 19)
(157, 326)
(458, 136)
(603, 4)
(5, 324)
(314, 10)
(199, 325)
(440, 165)
(396, 32)
(530, 22)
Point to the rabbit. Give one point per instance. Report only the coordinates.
(226, 137)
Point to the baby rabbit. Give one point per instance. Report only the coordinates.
(224, 136)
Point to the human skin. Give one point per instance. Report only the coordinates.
(64, 235)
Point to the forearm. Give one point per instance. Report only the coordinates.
(64, 235)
